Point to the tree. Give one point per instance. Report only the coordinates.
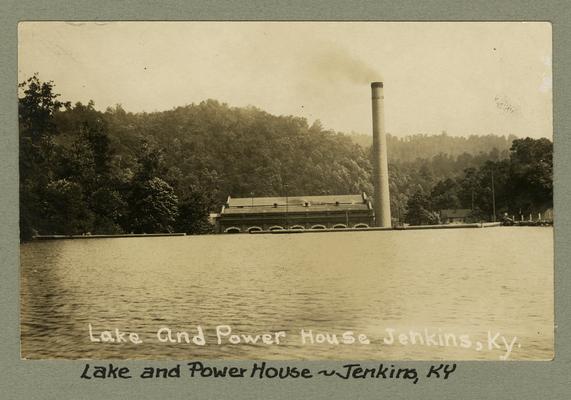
(109, 210)
(531, 174)
(193, 215)
(65, 210)
(151, 162)
(153, 207)
(523, 183)
(444, 195)
(37, 105)
(419, 210)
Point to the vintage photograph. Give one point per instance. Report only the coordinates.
(286, 190)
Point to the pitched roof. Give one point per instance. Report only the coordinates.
(265, 205)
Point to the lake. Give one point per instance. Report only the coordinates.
(480, 294)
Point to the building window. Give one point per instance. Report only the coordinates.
(340, 226)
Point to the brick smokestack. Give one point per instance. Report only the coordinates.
(382, 204)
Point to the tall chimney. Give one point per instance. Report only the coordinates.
(382, 202)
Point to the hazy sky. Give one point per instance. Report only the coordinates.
(464, 78)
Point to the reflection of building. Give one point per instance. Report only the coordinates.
(455, 216)
(301, 212)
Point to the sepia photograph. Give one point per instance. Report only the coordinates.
(286, 190)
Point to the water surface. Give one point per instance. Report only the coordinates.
(436, 282)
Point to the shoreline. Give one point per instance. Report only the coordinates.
(290, 231)
(284, 231)
(123, 235)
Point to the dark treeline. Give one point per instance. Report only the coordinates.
(519, 182)
(86, 171)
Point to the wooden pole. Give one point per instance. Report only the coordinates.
(493, 196)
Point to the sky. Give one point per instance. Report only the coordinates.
(460, 77)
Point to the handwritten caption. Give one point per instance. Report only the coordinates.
(226, 335)
(264, 370)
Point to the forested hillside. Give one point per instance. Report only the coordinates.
(426, 146)
(83, 170)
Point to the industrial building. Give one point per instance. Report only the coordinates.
(320, 212)
(256, 214)
(456, 216)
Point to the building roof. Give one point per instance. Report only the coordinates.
(455, 213)
(268, 205)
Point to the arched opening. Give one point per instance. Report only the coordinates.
(299, 227)
(232, 229)
(361, 226)
(318, 226)
(276, 228)
(254, 229)
(339, 226)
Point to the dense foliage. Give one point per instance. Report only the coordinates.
(82, 170)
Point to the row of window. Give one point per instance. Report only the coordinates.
(235, 229)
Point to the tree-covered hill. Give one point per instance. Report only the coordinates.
(82, 170)
(426, 146)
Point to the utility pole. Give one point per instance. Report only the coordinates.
(493, 196)
(287, 207)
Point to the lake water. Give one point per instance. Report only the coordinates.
(450, 294)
